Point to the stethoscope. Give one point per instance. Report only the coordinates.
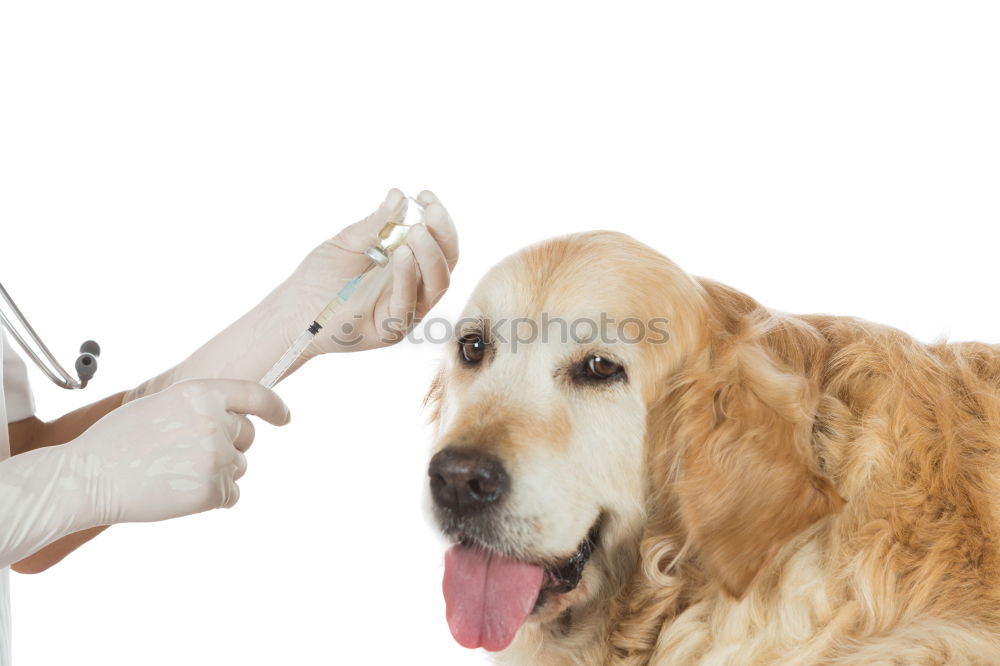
(86, 363)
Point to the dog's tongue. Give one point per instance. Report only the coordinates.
(488, 596)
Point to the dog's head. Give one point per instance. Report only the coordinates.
(594, 389)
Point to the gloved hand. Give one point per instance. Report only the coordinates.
(171, 454)
(419, 273)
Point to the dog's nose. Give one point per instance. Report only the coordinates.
(466, 480)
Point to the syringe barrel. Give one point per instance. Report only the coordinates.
(287, 359)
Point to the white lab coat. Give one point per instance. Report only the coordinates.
(15, 404)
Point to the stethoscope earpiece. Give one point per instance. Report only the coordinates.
(86, 363)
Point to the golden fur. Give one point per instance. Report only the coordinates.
(809, 489)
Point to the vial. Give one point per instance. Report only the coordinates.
(394, 233)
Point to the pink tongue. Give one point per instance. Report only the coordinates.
(488, 596)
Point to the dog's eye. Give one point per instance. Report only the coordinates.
(599, 367)
(472, 348)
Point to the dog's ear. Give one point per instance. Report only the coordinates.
(747, 480)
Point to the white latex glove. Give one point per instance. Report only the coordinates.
(172, 454)
(386, 306)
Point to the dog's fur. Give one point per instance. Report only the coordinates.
(770, 488)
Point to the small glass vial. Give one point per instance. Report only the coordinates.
(394, 234)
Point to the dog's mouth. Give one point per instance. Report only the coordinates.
(565, 576)
(489, 596)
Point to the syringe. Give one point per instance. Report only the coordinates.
(390, 238)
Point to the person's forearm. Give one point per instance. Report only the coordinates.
(54, 553)
(42, 502)
(30, 434)
(245, 349)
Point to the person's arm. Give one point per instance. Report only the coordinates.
(172, 454)
(380, 314)
(32, 433)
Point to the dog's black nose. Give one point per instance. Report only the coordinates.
(466, 480)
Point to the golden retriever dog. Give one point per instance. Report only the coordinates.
(747, 487)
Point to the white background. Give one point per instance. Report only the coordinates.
(163, 165)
